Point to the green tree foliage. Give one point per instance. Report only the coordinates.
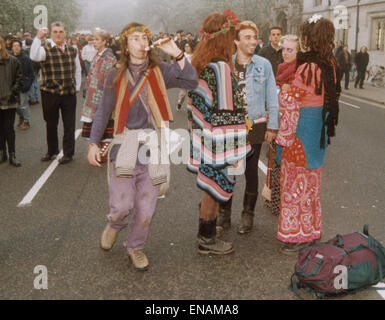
(18, 14)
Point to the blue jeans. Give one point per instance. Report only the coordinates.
(33, 92)
(23, 107)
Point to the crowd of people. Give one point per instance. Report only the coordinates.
(240, 94)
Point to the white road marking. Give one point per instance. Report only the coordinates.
(27, 201)
(263, 167)
(350, 105)
(381, 292)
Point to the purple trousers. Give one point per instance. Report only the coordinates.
(135, 193)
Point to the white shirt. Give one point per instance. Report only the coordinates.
(38, 54)
(89, 53)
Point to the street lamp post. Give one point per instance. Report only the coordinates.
(357, 23)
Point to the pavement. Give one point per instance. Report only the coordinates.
(369, 93)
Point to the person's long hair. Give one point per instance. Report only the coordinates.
(220, 47)
(124, 58)
(3, 51)
(319, 38)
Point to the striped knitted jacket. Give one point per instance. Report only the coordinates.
(216, 119)
(58, 70)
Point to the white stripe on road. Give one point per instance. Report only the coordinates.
(350, 105)
(27, 201)
(380, 292)
(262, 166)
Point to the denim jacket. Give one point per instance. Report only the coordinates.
(261, 91)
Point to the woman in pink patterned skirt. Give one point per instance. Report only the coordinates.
(309, 108)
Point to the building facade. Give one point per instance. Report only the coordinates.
(288, 15)
(358, 23)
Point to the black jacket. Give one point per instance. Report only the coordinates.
(27, 72)
(274, 56)
(10, 81)
(362, 61)
(345, 65)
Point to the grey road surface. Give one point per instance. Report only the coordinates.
(61, 229)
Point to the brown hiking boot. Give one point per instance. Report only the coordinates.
(224, 214)
(138, 259)
(109, 236)
(247, 218)
(214, 246)
(247, 221)
(25, 126)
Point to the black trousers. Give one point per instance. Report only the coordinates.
(360, 78)
(347, 74)
(252, 169)
(66, 104)
(7, 130)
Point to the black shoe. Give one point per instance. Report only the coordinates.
(346, 88)
(65, 160)
(3, 156)
(48, 157)
(13, 161)
(178, 107)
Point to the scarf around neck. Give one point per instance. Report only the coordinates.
(286, 72)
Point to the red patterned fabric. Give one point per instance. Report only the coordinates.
(300, 208)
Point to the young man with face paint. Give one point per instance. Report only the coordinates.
(136, 92)
(258, 93)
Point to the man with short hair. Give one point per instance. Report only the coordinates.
(61, 72)
(273, 52)
(344, 61)
(361, 62)
(257, 92)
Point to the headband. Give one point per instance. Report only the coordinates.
(124, 35)
(232, 21)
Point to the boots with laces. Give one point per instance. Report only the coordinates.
(138, 259)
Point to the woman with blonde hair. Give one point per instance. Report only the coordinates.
(285, 75)
(101, 66)
(217, 126)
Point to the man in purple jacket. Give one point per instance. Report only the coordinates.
(139, 72)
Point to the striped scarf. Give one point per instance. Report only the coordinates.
(157, 99)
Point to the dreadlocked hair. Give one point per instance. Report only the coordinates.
(319, 37)
(318, 40)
